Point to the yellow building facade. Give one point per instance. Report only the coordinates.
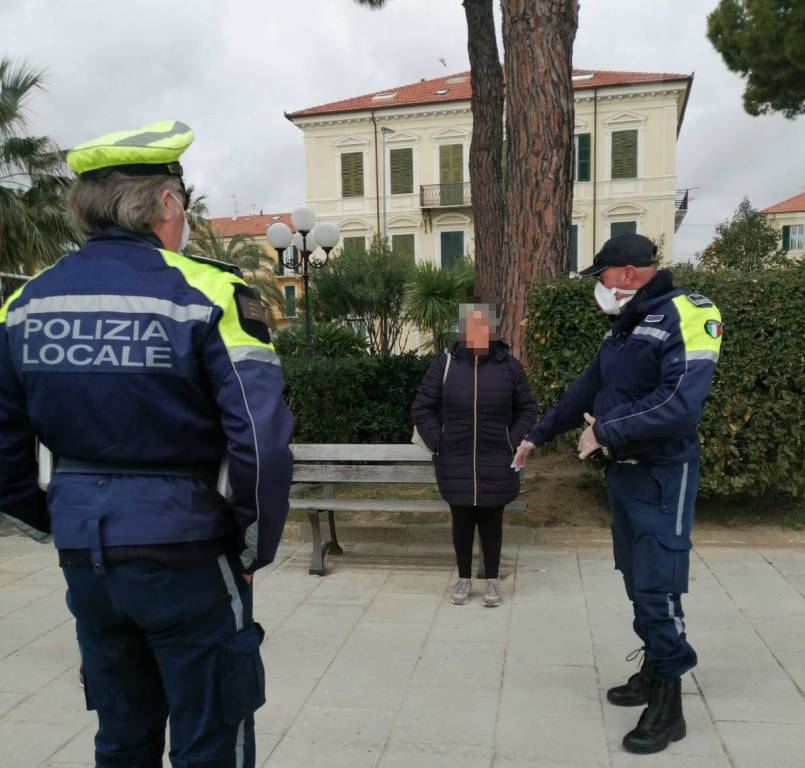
(396, 162)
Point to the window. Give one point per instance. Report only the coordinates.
(794, 237)
(451, 173)
(574, 249)
(452, 248)
(290, 301)
(403, 245)
(624, 154)
(354, 245)
(401, 165)
(622, 227)
(581, 157)
(352, 174)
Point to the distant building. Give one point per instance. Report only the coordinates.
(396, 162)
(789, 217)
(255, 226)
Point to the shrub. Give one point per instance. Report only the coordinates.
(326, 340)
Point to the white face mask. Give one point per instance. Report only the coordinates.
(185, 236)
(607, 301)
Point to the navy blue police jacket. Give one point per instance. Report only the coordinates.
(127, 354)
(648, 382)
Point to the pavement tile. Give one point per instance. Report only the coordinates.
(404, 755)
(318, 620)
(385, 640)
(290, 655)
(29, 669)
(462, 665)
(284, 699)
(438, 715)
(569, 740)
(751, 694)
(62, 702)
(667, 760)
(417, 583)
(80, 750)
(303, 753)
(471, 623)
(363, 684)
(550, 692)
(29, 744)
(403, 608)
(771, 745)
(334, 591)
(342, 725)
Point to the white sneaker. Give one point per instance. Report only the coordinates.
(492, 598)
(461, 592)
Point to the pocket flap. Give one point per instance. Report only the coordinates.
(677, 543)
(247, 641)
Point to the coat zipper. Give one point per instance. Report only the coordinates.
(511, 447)
(475, 438)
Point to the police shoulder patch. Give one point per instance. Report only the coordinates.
(251, 313)
(698, 300)
(653, 318)
(713, 328)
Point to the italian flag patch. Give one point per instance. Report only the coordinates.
(713, 328)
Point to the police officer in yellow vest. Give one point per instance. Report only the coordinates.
(141, 368)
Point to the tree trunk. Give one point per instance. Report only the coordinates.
(486, 179)
(538, 43)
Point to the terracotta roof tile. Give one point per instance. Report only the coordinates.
(248, 225)
(458, 88)
(792, 205)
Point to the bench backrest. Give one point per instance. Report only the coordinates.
(350, 463)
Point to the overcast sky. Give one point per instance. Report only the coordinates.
(230, 70)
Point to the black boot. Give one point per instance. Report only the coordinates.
(662, 721)
(635, 692)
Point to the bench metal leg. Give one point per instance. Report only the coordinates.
(333, 547)
(317, 555)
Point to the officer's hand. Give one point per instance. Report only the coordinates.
(523, 450)
(588, 442)
(247, 577)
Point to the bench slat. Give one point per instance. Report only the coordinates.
(363, 473)
(353, 452)
(384, 505)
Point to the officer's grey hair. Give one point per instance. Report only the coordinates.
(118, 199)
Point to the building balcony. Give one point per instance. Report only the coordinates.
(681, 207)
(445, 195)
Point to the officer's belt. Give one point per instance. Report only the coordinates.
(64, 466)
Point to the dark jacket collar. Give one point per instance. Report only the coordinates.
(653, 293)
(497, 351)
(118, 233)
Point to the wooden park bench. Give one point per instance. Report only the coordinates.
(330, 464)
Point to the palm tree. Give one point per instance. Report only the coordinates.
(433, 295)
(34, 229)
(248, 255)
(197, 211)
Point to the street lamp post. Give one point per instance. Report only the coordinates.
(307, 239)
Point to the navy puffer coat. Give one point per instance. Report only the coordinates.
(474, 423)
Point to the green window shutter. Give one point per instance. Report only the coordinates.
(584, 157)
(786, 238)
(290, 301)
(624, 154)
(401, 163)
(403, 245)
(451, 164)
(574, 249)
(354, 245)
(452, 248)
(352, 174)
(622, 227)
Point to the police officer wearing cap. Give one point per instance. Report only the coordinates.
(140, 369)
(641, 399)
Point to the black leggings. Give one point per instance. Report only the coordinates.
(490, 528)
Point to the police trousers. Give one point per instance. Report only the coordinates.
(652, 514)
(161, 643)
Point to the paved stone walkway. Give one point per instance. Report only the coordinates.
(373, 666)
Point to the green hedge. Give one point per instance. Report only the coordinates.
(753, 424)
(353, 400)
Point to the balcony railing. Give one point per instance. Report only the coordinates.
(681, 207)
(445, 195)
